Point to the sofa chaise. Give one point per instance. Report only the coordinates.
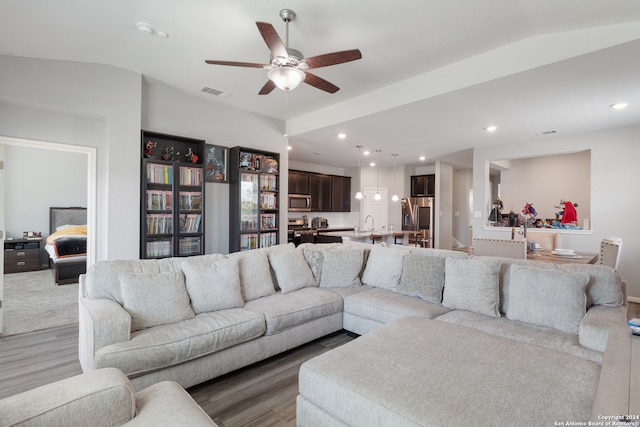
(189, 320)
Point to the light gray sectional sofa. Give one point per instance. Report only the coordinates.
(192, 319)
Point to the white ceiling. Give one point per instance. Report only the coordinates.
(432, 76)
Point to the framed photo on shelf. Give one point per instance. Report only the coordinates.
(215, 163)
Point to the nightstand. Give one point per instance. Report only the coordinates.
(22, 255)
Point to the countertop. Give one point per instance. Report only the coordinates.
(363, 234)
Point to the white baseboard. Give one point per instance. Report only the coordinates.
(634, 299)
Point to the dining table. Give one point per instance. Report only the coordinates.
(548, 255)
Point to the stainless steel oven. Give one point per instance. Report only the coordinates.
(299, 203)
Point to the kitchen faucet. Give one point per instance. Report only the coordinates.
(373, 227)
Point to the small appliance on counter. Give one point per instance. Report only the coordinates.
(319, 222)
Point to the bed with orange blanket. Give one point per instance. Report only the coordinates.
(67, 243)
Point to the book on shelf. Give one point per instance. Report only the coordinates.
(159, 174)
(269, 164)
(189, 245)
(159, 224)
(159, 248)
(268, 239)
(190, 223)
(190, 200)
(158, 200)
(248, 242)
(268, 201)
(268, 182)
(190, 176)
(268, 221)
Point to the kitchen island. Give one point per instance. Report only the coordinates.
(387, 236)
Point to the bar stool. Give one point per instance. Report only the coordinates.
(375, 238)
(397, 236)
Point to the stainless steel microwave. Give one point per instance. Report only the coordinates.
(299, 203)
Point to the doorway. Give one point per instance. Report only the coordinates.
(90, 155)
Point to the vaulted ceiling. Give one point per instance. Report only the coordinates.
(433, 76)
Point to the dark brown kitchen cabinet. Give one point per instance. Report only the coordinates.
(340, 194)
(423, 186)
(320, 191)
(298, 182)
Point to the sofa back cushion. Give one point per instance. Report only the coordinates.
(546, 297)
(472, 285)
(384, 267)
(255, 274)
(154, 299)
(423, 276)
(341, 267)
(213, 286)
(291, 269)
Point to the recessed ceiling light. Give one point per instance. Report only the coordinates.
(422, 158)
(619, 106)
(289, 147)
(143, 27)
(491, 128)
(342, 135)
(366, 153)
(372, 164)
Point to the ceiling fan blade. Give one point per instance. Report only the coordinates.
(333, 58)
(267, 88)
(272, 39)
(236, 64)
(320, 83)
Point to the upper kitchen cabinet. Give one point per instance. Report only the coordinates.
(298, 182)
(423, 186)
(340, 194)
(320, 191)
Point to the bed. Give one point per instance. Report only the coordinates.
(67, 243)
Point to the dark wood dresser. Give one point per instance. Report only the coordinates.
(22, 255)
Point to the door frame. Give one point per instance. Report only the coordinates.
(92, 174)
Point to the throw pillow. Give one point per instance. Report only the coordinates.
(255, 274)
(547, 298)
(313, 254)
(384, 267)
(292, 270)
(341, 267)
(213, 286)
(472, 285)
(423, 276)
(154, 299)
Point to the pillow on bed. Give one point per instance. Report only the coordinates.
(154, 299)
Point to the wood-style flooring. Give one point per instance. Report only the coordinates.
(262, 394)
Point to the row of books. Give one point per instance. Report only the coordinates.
(158, 200)
(190, 176)
(269, 182)
(268, 239)
(159, 224)
(268, 221)
(268, 200)
(251, 241)
(189, 245)
(190, 223)
(159, 248)
(258, 162)
(190, 201)
(159, 174)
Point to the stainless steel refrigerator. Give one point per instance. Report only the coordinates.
(417, 215)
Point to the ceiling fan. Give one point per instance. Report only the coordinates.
(287, 67)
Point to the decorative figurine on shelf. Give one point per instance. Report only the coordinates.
(513, 219)
(170, 154)
(568, 213)
(191, 156)
(149, 148)
(529, 214)
(496, 211)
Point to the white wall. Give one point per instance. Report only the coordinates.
(88, 105)
(37, 180)
(614, 175)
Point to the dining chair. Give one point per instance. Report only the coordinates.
(610, 248)
(500, 247)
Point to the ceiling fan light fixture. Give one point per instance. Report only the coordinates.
(286, 78)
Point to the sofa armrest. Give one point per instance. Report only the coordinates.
(595, 326)
(101, 323)
(166, 403)
(83, 400)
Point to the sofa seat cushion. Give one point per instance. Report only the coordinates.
(284, 311)
(384, 305)
(416, 371)
(169, 345)
(523, 332)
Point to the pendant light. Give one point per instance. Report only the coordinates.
(359, 195)
(395, 197)
(377, 196)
